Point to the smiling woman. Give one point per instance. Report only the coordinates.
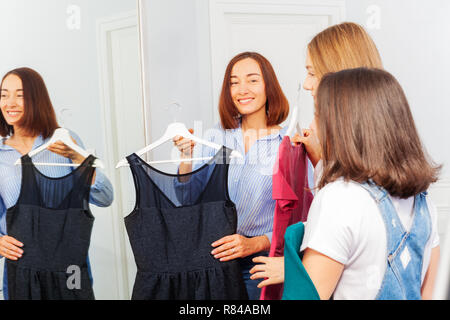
(249, 75)
(40, 117)
(247, 87)
(27, 121)
(251, 107)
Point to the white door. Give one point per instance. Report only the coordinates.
(279, 30)
(124, 133)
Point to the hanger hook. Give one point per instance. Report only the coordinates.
(174, 109)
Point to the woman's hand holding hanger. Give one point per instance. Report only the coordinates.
(63, 150)
(186, 148)
(311, 142)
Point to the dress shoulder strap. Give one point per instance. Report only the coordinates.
(28, 188)
(377, 193)
(82, 183)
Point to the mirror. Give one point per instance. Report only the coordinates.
(114, 70)
(89, 57)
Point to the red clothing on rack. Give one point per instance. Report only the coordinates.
(293, 199)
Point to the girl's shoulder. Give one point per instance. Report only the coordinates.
(345, 202)
(341, 190)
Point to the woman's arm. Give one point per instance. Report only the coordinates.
(102, 192)
(269, 268)
(10, 248)
(430, 276)
(323, 271)
(2, 218)
(187, 188)
(238, 246)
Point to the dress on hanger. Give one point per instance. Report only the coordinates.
(293, 199)
(171, 236)
(53, 220)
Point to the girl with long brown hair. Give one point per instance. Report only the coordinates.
(371, 231)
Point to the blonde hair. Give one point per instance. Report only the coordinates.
(343, 46)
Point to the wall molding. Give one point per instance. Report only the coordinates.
(439, 193)
(105, 27)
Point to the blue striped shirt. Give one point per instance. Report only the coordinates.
(11, 177)
(249, 179)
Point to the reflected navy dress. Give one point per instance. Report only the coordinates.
(171, 238)
(53, 220)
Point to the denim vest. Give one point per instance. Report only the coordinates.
(403, 276)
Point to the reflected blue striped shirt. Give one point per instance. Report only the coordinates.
(249, 179)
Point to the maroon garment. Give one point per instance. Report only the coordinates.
(293, 199)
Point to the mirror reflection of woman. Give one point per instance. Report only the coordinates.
(252, 106)
(27, 121)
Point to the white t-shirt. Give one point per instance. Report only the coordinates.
(345, 224)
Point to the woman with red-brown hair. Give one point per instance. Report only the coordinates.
(27, 121)
(252, 106)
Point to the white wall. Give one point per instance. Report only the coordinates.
(177, 65)
(413, 40)
(35, 34)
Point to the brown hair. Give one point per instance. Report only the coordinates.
(277, 105)
(39, 116)
(366, 131)
(343, 46)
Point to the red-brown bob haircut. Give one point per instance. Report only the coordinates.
(277, 106)
(39, 116)
(367, 132)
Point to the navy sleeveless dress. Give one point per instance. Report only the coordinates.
(172, 227)
(53, 220)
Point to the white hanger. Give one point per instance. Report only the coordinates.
(173, 130)
(294, 123)
(61, 134)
